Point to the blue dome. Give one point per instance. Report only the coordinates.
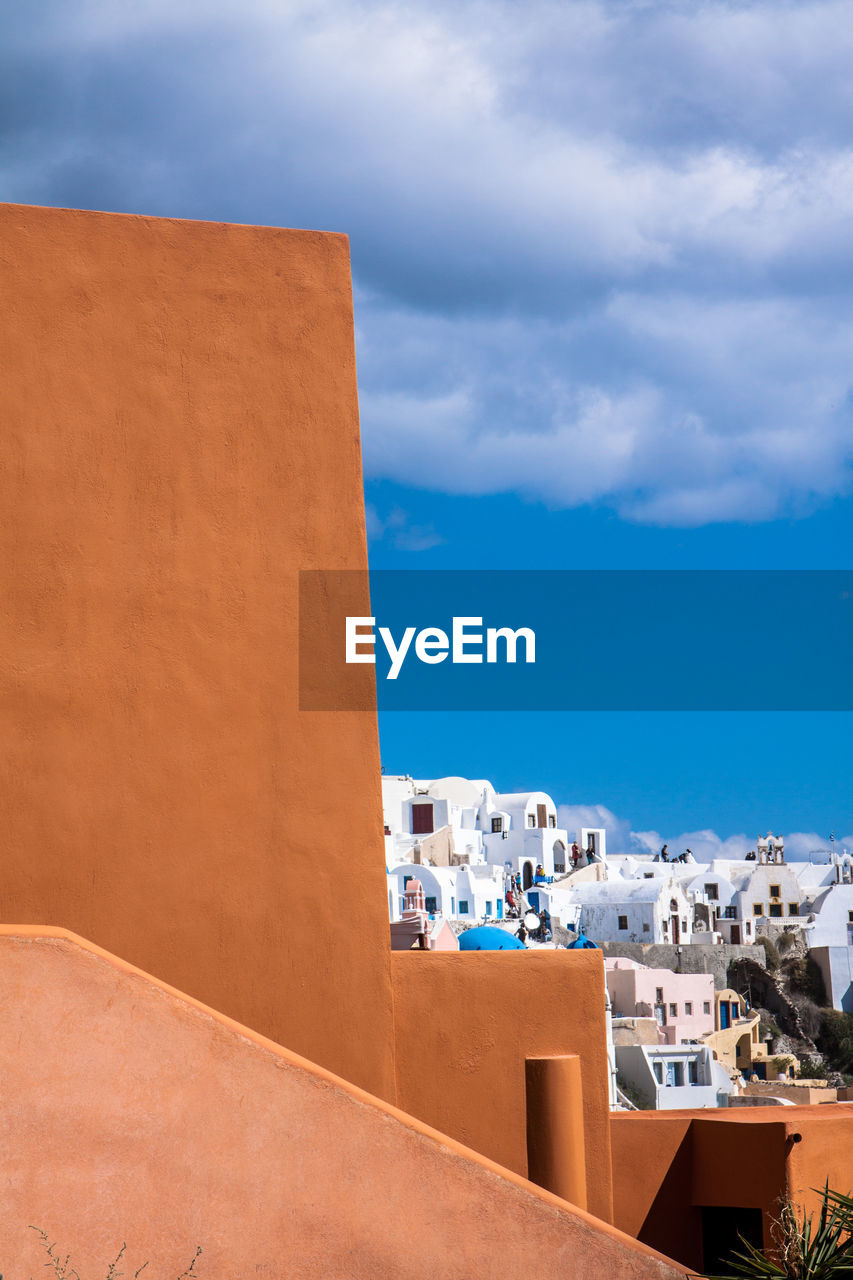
(582, 942)
(487, 938)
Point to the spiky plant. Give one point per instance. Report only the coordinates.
(801, 1250)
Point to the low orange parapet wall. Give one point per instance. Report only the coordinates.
(467, 1023)
(744, 1158)
(132, 1113)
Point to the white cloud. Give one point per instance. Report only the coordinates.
(602, 248)
(399, 531)
(705, 844)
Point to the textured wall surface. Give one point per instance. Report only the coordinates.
(744, 1157)
(473, 1018)
(132, 1114)
(180, 437)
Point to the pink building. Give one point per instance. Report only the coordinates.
(415, 928)
(682, 1003)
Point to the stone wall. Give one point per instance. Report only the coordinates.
(692, 958)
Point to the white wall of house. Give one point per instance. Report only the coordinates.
(471, 894)
(653, 911)
(516, 829)
(836, 966)
(772, 887)
(833, 917)
(665, 1074)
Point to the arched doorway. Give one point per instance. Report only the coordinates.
(559, 857)
(676, 923)
(527, 876)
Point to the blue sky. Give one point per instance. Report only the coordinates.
(602, 264)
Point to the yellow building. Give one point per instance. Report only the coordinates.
(736, 1041)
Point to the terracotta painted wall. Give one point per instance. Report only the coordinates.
(132, 1114)
(825, 1152)
(746, 1157)
(180, 437)
(477, 1016)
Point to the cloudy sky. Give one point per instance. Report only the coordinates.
(602, 253)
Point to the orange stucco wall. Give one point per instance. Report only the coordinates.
(132, 1114)
(180, 437)
(651, 1142)
(745, 1157)
(466, 1024)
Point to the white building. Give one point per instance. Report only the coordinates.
(830, 921)
(459, 821)
(829, 930)
(648, 910)
(671, 1077)
(768, 891)
(470, 893)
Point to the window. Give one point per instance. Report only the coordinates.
(430, 904)
(748, 929)
(497, 825)
(422, 823)
(623, 922)
(850, 915)
(775, 891)
(758, 908)
(488, 908)
(793, 908)
(552, 819)
(711, 891)
(406, 880)
(664, 924)
(531, 819)
(463, 906)
(693, 1071)
(673, 1010)
(775, 908)
(645, 928)
(675, 1074)
(659, 995)
(688, 1009)
(658, 1070)
(684, 926)
(706, 1006)
(730, 913)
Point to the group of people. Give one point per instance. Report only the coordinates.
(578, 853)
(513, 898)
(663, 856)
(541, 934)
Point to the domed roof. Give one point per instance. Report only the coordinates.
(487, 938)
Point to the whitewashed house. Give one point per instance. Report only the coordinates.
(829, 930)
(455, 821)
(521, 835)
(768, 891)
(671, 1077)
(468, 893)
(653, 910)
